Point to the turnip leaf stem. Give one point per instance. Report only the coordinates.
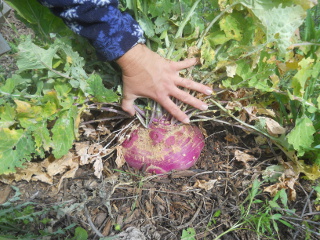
(205, 32)
(108, 109)
(139, 110)
(181, 27)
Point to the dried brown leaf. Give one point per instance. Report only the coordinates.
(60, 166)
(98, 167)
(103, 130)
(231, 138)
(274, 127)
(206, 185)
(193, 51)
(252, 112)
(243, 157)
(82, 152)
(234, 105)
(120, 161)
(89, 131)
(31, 172)
(286, 181)
(5, 194)
(283, 183)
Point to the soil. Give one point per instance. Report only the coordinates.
(209, 198)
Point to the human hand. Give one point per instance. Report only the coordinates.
(146, 74)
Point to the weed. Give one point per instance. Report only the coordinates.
(30, 220)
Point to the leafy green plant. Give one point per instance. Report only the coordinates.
(241, 45)
(262, 217)
(188, 234)
(249, 45)
(41, 105)
(28, 220)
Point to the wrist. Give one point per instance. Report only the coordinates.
(131, 57)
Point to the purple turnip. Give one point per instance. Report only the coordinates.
(163, 147)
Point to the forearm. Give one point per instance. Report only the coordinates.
(109, 30)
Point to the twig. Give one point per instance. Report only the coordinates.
(192, 219)
(103, 119)
(302, 220)
(308, 203)
(91, 223)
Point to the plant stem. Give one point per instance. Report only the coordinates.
(134, 7)
(238, 120)
(205, 32)
(181, 27)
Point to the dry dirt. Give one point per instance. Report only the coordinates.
(154, 207)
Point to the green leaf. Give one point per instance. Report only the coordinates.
(32, 56)
(63, 132)
(273, 204)
(283, 197)
(80, 234)
(231, 25)
(147, 26)
(39, 18)
(286, 223)
(188, 234)
(276, 216)
(99, 91)
(279, 20)
(272, 173)
(41, 136)
(7, 116)
(301, 136)
(16, 148)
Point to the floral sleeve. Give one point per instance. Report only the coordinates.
(110, 31)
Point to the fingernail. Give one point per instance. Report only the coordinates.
(186, 120)
(209, 91)
(204, 107)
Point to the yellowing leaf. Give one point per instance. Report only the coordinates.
(312, 172)
(22, 107)
(69, 59)
(231, 26)
(16, 148)
(207, 54)
(275, 81)
(306, 4)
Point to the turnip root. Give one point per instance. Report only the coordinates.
(163, 147)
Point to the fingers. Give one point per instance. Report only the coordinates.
(174, 110)
(189, 62)
(188, 99)
(127, 105)
(189, 84)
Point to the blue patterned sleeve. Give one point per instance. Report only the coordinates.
(110, 31)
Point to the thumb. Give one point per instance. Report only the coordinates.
(127, 105)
